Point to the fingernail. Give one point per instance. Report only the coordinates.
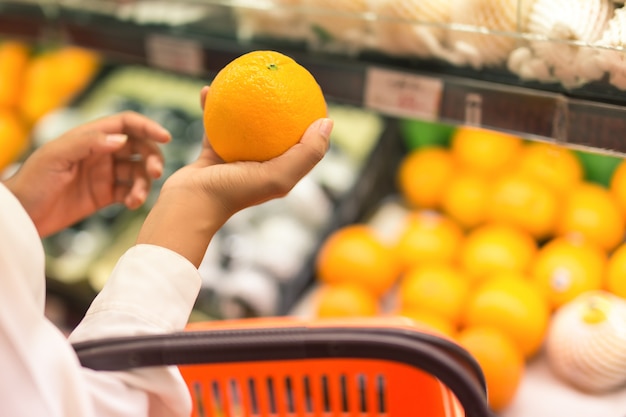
(117, 138)
(326, 126)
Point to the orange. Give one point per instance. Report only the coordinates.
(495, 247)
(568, 266)
(345, 300)
(466, 198)
(14, 138)
(423, 174)
(617, 186)
(259, 105)
(356, 254)
(14, 56)
(510, 302)
(54, 77)
(430, 321)
(555, 166)
(486, 151)
(500, 360)
(525, 203)
(591, 210)
(428, 237)
(616, 272)
(438, 288)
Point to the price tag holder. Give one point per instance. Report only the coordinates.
(174, 54)
(401, 94)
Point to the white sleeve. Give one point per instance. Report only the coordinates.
(152, 290)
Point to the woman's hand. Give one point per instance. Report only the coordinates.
(197, 199)
(110, 160)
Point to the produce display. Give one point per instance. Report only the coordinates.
(498, 243)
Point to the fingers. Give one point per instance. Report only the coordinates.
(135, 125)
(297, 161)
(203, 92)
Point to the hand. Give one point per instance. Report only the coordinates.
(107, 161)
(197, 199)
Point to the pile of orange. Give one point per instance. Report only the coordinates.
(497, 234)
(33, 84)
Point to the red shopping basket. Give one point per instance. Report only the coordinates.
(286, 367)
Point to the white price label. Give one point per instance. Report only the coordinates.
(401, 94)
(179, 55)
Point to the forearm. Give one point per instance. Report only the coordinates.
(183, 224)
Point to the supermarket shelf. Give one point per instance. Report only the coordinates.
(593, 117)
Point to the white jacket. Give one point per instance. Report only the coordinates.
(151, 290)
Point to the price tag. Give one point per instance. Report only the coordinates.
(401, 94)
(173, 54)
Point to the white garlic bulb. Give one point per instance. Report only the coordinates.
(586, 342)
(559, 34)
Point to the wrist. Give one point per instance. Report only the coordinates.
(183, 222)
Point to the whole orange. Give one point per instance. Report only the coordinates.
(423, 175)
(555, 166)
(14, 138)
(466, 198)
(510, 302)
(568, 266)
(592, 211)
(356, 254)
(500, 360)
(14, 56)
(495, 247)
(345, 300)
(524, 202)
(428, 237)
(486, 151)
(616, 272)
(259, 105)
(438, 288)
(617, 186)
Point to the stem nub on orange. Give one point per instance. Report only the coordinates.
(259, 105)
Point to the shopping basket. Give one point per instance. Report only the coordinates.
(291, 367)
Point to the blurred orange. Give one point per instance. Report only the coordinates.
(439, 288)
(431, 321)
(345, 300)
(555, 166)
(487, 151)
(466, 198)
(423, 174)
(511, 303)
(501, 362)
(592, 211)
(617, 186)
(428, 237)
(14, 138)
(495, 247)
(568, 266)
(14, 56)
(54, 77)
(355, 254)
(616, 272)
(525, 203)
